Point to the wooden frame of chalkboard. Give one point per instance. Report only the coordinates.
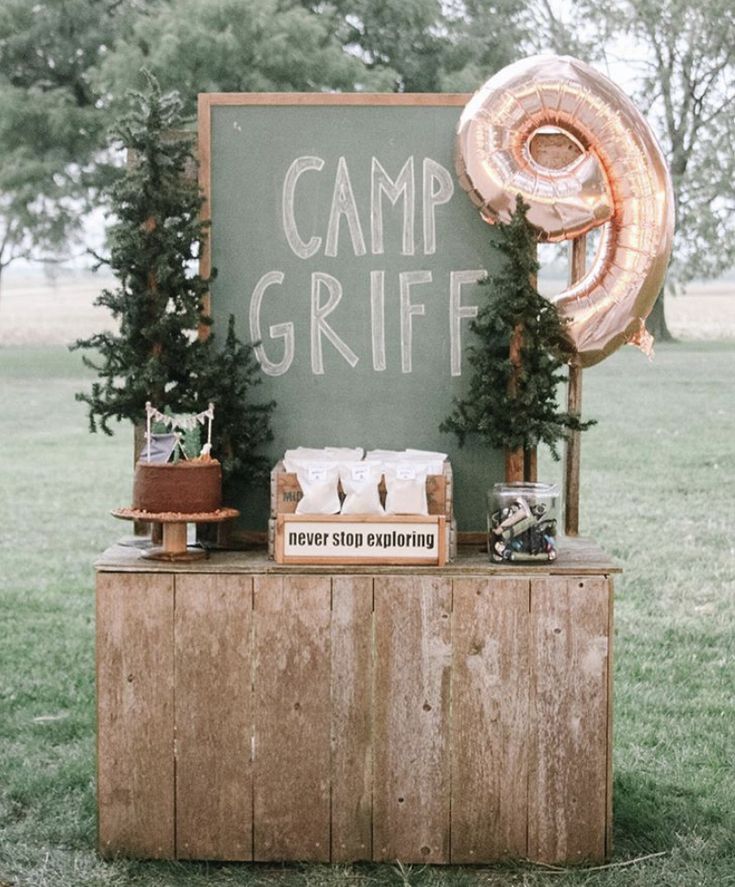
(411, 268)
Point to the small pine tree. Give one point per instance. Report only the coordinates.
(511, 402)
(157, 354)
(225, 377)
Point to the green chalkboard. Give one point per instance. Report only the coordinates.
(343, 242)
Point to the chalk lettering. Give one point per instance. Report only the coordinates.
(403, 186)
(343, 204)
(459, 312)
(276, 331)
(377, 316)
(300, 165)
(319, 325)
(407, 279)
(434, 173)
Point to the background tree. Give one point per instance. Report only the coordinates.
(680, 58)
(51, 127)
(66, 65)
(427, 45)
(231, 46)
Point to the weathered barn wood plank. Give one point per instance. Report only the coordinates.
(213, 714)
(577, 557)
(292, 717)
(411, 718)
(352, 771)
(569, 713)
(135, 727)
(489, 719)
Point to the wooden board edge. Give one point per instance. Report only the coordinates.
(442, 553)
(278, 554)
(204, 157)
(438, 99)
(359, 561)
(286, 517)
(610, 717)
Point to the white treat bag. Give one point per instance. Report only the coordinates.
(318, 482)
(434, 461)
(302, 455)
(344, 454)
(385, 455)
(405, 485)
(360, 482)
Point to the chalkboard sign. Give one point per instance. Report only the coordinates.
(345, 246)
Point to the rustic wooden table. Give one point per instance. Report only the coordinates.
(250, 711)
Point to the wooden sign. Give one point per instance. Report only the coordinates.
(368, 539)
(346, 249)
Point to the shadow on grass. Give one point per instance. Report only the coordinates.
(650, 816)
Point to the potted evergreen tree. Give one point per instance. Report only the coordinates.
(163, 350)
(517, 359)
(518, 362)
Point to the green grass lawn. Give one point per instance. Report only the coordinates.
(658, 493)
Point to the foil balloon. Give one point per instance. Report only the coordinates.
(619, 180)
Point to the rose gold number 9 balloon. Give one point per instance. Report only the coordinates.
(620, 180)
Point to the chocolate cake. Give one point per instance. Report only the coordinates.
(181, 487)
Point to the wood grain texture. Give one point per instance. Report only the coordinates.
(351, 740)
(576, 557)
(213, 714)
(569, 719)
(489, 719)
(135, 726)
(292, 718)
(573, 445)
(610, 710)
(210, 99)
(411, 718)
(204, 154)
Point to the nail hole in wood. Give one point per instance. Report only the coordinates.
(557, 631)
(427, 707)
(297, 706)
(426, 850)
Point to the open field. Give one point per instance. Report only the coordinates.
(658, 493)
(36, 311)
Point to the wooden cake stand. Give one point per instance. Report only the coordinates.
(174, 546)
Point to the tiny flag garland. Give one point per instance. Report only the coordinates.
(181, 422)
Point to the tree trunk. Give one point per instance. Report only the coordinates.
(656, 322)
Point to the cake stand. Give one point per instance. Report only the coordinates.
(174, 523)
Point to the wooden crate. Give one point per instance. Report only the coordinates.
(250, 711)
(286, 491)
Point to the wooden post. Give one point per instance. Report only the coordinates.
(515, 459)
(174, 538)
(572, 455)
(530, 461)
